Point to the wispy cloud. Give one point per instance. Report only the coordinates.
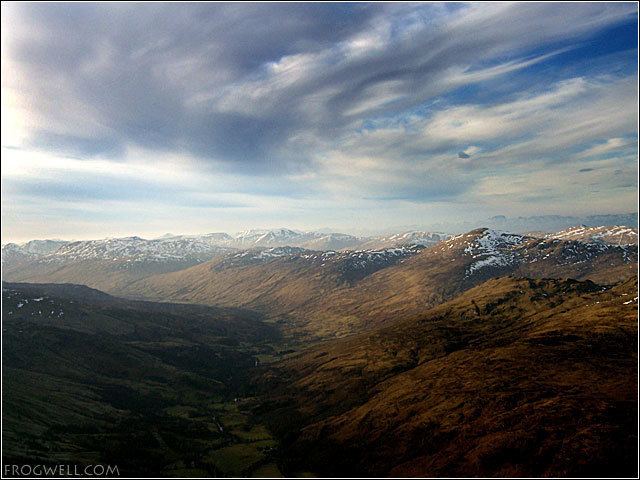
(352, 105)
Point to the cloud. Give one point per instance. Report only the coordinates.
(322, 108)
(468, 152)
(611, 145)
(232, 83)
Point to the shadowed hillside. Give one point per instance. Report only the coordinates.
(152, 388)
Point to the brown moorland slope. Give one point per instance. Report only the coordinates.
(440, 273)
(114, 277)
(277, 281)
(515, 377)
(325, 297)
(324, 294)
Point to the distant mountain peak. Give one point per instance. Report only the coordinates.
(613, 235)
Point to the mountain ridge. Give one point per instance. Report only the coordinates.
(318, 304)
(323, 293)
(514, 377)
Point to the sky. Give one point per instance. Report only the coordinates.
(122, 119)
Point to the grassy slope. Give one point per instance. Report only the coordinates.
(149, 387)
(109, 276)
(311, 299)
(513, 378)
(439, 274)
(309, 302)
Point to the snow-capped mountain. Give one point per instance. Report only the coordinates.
(12, 252)
(217, 238)
(493, 249)
(488, 251)
(293, 238)
(109, 264)
(333, 241)
(271, 238)
(170, 247)
(136, 249)
(617, 235)
(127, 250)
(43, 247)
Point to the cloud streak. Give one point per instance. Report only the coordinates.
(337, 102)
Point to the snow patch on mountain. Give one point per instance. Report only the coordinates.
(407, 238)
(136, 249)
(616, 235)
(421, 238)
(42, 247)
(492, 249)
(495, 249)
(267, 237)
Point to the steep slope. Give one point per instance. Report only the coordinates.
(89, 378)
(515, 377)
(328, 294)
(451, 267)
(276, 280)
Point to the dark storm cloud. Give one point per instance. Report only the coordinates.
(257, 88)
(463, 155)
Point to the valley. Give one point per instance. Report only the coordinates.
(487, 353)
(320, 239)
(152, 388)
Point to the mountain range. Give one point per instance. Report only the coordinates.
(542, 223)
(113, 264)
(487, 353)
(171, 246)
(346, 289)
(615, 235)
